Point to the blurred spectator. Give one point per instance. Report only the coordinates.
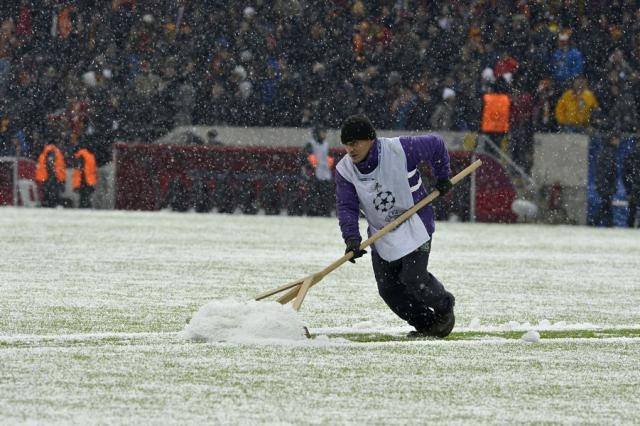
(543, 107)
(12, 143)
(180, 95)
(469, 106)
(536, 60)
(619, 67)
(593, 39)
(567, 62)
(212, 137)
(8, 43)
(24, 94)
(521, 127)
(105, 117)
(622, 111)
(631, 174)
(145, 112)
(573, 110)
(5, 136)
(403, 101)
(505, 63)
(443, 118)
(76, 115)
(606, 179)
(617, 87)
(19, 145)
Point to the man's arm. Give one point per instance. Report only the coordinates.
(347, 208)
(430, 148)
(303, 161)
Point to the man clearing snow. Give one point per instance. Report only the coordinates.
(380, 176)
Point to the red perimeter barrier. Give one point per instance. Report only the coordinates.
(243, 176)
(26, 171)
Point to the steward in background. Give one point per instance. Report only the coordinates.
(317, 167)
(85, 175)
(631, 173)
(496, 110)
(51, 172)
(495, 113)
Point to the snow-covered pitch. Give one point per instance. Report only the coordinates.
(93, 310)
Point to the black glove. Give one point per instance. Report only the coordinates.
(443, 185)
(354, 246)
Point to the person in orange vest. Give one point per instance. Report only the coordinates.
(85, 175)
(496, 108)
(317, 170)
(495, 113)
(51, 172)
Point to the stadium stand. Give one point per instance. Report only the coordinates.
(130, 71)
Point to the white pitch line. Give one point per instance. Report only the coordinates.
(83, 336)
(333, 331)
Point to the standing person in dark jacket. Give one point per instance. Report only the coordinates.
(632, 183)
(606, 179)
(380, 176)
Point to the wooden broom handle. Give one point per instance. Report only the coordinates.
(404, 216)
(305, 283)
(420, 204)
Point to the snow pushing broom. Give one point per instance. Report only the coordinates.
(298, 289)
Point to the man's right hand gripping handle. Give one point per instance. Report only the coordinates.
(354, 246)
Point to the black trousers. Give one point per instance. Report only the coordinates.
(604, 214)
(85, 192)
(320, 198)
(411, 291)
(633, 208)
(52, 190)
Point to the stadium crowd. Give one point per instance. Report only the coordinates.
(87, 73)
(131, 69)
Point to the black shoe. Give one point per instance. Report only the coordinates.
(415, 334)
(443, 325)
(441, 328)
(444, 322)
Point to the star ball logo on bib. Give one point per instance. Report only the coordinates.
(384, 201)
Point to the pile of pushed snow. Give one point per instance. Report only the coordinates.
(245, 322)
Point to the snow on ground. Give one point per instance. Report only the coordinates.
(531, 336)
(94, 303)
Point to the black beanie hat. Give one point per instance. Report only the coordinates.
(355, 128)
